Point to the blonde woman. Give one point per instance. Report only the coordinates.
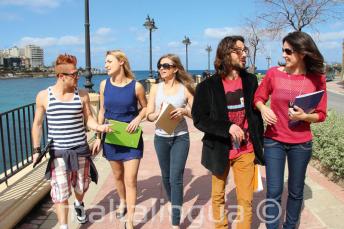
(176, 88)
(119, 95)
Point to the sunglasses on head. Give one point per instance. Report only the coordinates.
(287, 51)
(165, 66)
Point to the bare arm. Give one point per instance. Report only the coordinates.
(152, 114)
(141, 97)
(188, 107)
(38, 119)
(101, 102)
(89, 120)
(267, 114)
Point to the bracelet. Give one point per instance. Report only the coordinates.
(97, 136)
(36, 150)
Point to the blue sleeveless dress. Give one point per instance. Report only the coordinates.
(120, 103)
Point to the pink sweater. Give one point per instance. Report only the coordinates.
(282, 88)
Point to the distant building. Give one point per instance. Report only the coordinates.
(31, 56)
(13, 63)
(36, 55)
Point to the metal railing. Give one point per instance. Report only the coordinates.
(15, 140)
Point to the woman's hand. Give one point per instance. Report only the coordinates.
(268, 115)
(178, 113)
(96, 146)
(133, 125)
(296, 113)
(105, 128)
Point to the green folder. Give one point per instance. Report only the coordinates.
(119, 136)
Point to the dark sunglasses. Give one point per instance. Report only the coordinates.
(165, 66)
(287, 51)
(74, 75)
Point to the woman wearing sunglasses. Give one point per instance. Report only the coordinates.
(119, 95)
(176, 88)
(302, 73)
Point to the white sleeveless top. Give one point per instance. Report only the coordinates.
(177, 101)
(65, 122)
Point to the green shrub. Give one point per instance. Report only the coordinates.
(260, 77)
(328, 142)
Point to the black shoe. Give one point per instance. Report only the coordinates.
(121, 214)
(80, 213)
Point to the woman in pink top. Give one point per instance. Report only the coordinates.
(302, 73)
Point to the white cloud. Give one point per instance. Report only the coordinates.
(331, 36)
(330, 45)
(222, 32)
(33, 3)
(140, 34)
(103, 35)
(51, 41)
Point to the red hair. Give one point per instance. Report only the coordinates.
(65, 59)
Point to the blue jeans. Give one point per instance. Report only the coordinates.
(275, 154)
(172, 154)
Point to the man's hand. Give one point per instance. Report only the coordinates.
(237, 133)
(36, 153)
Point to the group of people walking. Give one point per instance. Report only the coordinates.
(229, 107)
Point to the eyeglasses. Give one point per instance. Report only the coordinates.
(240, 51)
(165, 66)
(73, 75)
(287, 51)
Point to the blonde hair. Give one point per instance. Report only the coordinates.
(181, 75)
(120, 56)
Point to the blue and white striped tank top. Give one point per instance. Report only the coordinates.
(65, 122)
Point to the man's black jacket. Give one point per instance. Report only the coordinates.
(210, 115)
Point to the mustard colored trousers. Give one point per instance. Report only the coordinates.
(243, 171)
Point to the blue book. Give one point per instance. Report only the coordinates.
(308, 103)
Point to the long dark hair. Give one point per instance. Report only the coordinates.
(222, 61)
(303, 43)
(181, 75)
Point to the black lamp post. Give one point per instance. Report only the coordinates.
(186, 42)
(268, 59)
(88, 73)
(208, 49)
(150, 25)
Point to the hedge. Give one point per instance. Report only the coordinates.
(328, 143)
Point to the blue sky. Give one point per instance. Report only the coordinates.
(58, 27)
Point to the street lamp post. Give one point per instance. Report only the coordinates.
(208, 49)
(268, 59)
(186, 42)
(88, 73)
(150, 25)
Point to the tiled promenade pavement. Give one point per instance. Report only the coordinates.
(324, 200)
